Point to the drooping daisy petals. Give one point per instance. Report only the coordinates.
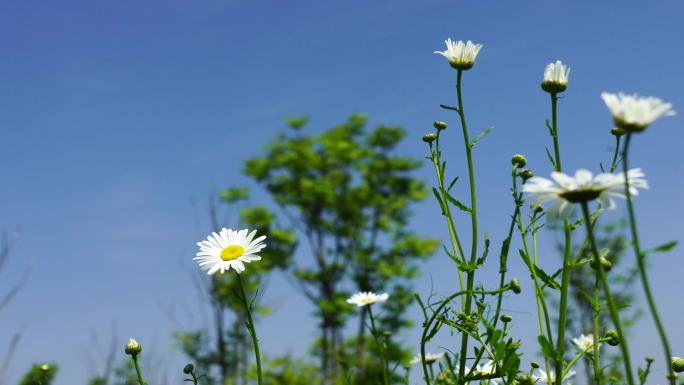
(634, 112)
(229, 249)
(459, 54)
(583, 187)
(367, 298)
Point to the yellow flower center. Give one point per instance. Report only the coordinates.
(232, 252)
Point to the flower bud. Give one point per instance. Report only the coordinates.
(189, 368)
(515, 286)
(429, 138)
(650, 360)
(525, 174)
(617, 131)
(678, 364)
(506, 318)
(535, 365)
(538, 209)
(519, 160)
(605, 262)
(612, 338)
(45, 368)
(133, 348)
(440, 125)
(525, 379)
(555, 77)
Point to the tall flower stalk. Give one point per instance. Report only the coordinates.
(227, 250)
(582, 188)
(633, 114)
(470, 276)
(368, 299)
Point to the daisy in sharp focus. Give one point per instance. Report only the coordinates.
(556, 77)
(584, 343)
(633, 112)
(550, 377)
(583, 187)
(460, 55)
(229, 249)
(367, 298)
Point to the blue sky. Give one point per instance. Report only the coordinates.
(119, 118)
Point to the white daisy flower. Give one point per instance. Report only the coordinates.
(583, 187)
(487, 369)
(550, 377)
(229, 249)
(460, 55)
(556, 77)
(634, 112)
(429, 358)
(584, 342)
(367, 298)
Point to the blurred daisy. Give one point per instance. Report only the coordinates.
(550, 377)
(556, 77)
(429, 358)
(460, 55)
(634, 112)
(584, 342)
(229, 249)
(488, 369)
(367, 298)
(583, 187)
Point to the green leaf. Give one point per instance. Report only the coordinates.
(548, 280)
(452, 184)
(547, 348)
(553, 162)
(487, 242)
(446, 107)
(439, 200)
(664, 248)
(480, 136)
(458, 204)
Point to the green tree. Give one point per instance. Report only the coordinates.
(349, 196)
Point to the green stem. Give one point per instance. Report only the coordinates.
(502, 266)
(574, 361)
(470, 277)
(615, 161)
(597, 311)
(542, 310)
(614, 315)
(641, 263)
(381, 350)
(250, 326)
(567, 265)
(563, 307)
(453, 234)
(427, 325)
(554, 133)
(137, 369)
